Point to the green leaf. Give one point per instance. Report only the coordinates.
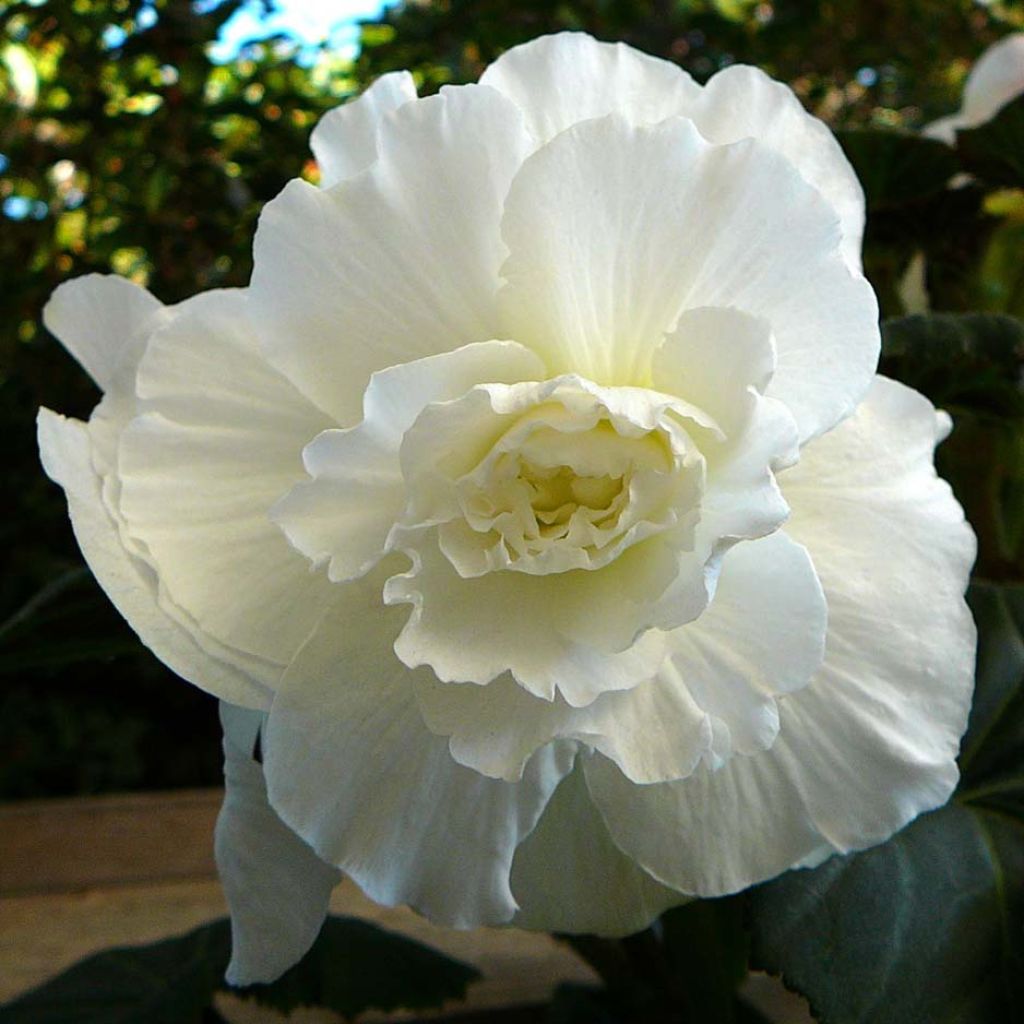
(1000, 275)
(895, 168)
(971, 365)
(355, 966)
(960, 361)
(581, 1004)
(992, 751)
(707, 945)
(995, 150)
(927, 928)
(170, 982)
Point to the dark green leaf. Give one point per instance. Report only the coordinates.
(355, 966)
(1000, 276)
(992, 752)
(581, 1004)
(707, 944)
(971, 360)
(971, 365)
(170, 982)
(995, 150)
(896, 168)
(927, 928)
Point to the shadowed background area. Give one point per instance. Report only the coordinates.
(141, 137)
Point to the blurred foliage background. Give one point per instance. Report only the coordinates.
(126, 147)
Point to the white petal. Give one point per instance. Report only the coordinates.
(995, 79)
(344, 514)
(200, 469)
(604, 258)
(561, 79)
(652, 732)
(103, 321)
(883, 723)
(712, 833)
(345, 141)
(394, 264)
(743, 102)
(568, 876)
(871, 743)
(277, 889)
(712, 359)
(127, 580)
(352, 768)
(541, 628)
(762, 635)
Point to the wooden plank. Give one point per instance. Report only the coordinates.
(63, 845)
(79, 876)
(41, 935)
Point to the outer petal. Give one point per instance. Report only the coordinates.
(604, 258)
(200, 469)
(473, 630)
(561, 79)
(743, 102)
(995, 79)
(352, 768)
(394, 264)
(718, 359)
(871, 742)
(344, 514)
(127, 580)
(763, 635)
(103, 321)
(893, 553)
(568, 876)
(345, 140)
(277, 888)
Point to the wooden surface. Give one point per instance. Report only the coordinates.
(83, 875)
(64, 845)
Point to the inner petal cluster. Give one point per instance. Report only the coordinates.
(569, 483)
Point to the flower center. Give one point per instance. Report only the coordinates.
(567, 477)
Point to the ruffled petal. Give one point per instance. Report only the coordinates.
(763, 635)
(541, 628)
(277, 889)
(560, 79)
(652, 732)
(343, 516)
(603, 259)
(103, 321)
(394, 264)
(353, 769)
(344, 142)
(742, 102)
(129, 581)
(894, 553)
(569, 877)
(714, 832)
(200, 469)
(872, 742)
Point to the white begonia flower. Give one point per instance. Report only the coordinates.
(539, 498)
(996, 78)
